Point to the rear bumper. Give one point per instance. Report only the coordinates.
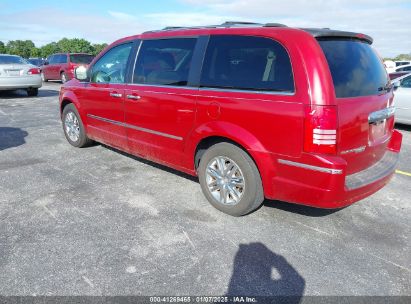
(383, 168)
(14, 83)
(320, 181)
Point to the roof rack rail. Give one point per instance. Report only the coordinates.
(234, 23)
(226, 24)
(167, 28)
(274, 25)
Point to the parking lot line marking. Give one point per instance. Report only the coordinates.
(88, 281)
(189, 240)
(403, 172)
(390, 262)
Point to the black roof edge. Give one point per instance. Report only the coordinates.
(328, 33)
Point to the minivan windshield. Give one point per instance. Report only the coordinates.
(81, 58)
(9, 59)
(355, 67)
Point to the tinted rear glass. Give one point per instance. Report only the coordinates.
(355, 67)
(85, 59)
(247, 63)
(37, 62)
(12, 60)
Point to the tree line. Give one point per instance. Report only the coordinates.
(27, 48)
(401, 57)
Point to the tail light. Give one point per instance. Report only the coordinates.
(34, 71)
(320, 129)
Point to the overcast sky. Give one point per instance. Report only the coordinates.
(388, 22)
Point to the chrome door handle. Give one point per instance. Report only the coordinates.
(134, 97)
(117, 95)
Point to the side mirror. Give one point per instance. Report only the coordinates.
(46, 63)
(80, 73)
(396, 85)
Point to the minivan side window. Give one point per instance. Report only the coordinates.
(52, 59)
(112, 66)
(247, 63)
(62, 58)
(164, 61)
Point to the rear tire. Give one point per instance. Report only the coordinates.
(73, 127)
(230, 179)
(32, 92)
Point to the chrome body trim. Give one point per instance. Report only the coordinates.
(381, 115)
(118, 123)
(134, 97)
(356, 150)
(310, 167)
(116, 95)
(135, 60)
(162, 86)
(247, 91)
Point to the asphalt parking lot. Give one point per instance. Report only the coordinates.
(95, 221)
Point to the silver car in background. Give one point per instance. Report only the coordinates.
(402, 99)
(16, 73)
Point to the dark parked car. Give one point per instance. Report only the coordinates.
(255, 111)
(61, 66)
(36, 61)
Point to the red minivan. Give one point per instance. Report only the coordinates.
(255, 111)
(61, 66)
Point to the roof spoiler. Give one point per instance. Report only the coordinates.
(327, 33)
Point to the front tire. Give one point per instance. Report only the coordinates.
(32, 92)
(63, 77)
(43, 77)
(73, 127)
(230, 179)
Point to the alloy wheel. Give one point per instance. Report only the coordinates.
(225, 181)
(72, 126)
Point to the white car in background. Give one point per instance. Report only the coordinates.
(390, 66)
(402, 99)
(394, 66)
(16, 73)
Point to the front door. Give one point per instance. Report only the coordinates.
(104, 96)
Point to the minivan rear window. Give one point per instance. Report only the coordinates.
(355, 67)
